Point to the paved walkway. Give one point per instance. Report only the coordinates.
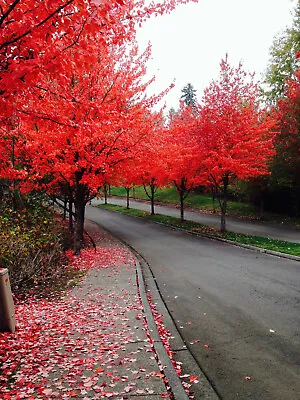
(101, 340)
(117, 342)
(257, 228)
(128, 365)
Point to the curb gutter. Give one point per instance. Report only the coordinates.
(181, 352)
(173, 379)
(145, 279)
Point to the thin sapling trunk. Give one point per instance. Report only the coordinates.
(223, 203)
(183, 192)
(127, 197)
(151, 195)
(105, 194)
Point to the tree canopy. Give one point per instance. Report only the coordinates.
(72, 93)
(236, 134)
(284, 59)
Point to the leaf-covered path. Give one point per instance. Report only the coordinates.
(92, 343)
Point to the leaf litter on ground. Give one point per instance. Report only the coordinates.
(77, 345)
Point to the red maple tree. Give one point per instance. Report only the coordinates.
(181, 153)
(235, 133)
(151, 170)
(99, 121)
(72, 79)
(37, 34)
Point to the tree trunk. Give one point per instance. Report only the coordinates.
(181, 194)
(79, 204)
(109, 190)
(70, 211)
(105, 194)
(79, 223)
(152, 187)
(127, 197)
(14, 202)
(151, 194)
(65, 207)
(223, 204)
(223, 221)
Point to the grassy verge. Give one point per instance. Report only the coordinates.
(257, 241)
(169, 195)
(204, 202)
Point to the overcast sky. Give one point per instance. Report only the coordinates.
(189, 44)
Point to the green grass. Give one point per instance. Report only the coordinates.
(257, 241)
(204, 202)
(169, 195)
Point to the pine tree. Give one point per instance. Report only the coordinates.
(189, 95)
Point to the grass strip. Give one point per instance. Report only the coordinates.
(203, 201)
(198, 201)
(257, 241)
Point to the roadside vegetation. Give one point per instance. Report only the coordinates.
(204, 202)
(33, 241)
(257, 241)
(201, 201)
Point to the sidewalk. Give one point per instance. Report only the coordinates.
(95, 342)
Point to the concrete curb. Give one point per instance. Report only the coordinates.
(181, 352)
(173, 379)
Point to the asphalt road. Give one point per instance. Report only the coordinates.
(257, 228)
(239, 308)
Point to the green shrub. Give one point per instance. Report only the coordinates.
(32, 243)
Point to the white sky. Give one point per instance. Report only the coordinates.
(189, 44)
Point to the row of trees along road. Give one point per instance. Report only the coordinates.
(75, 114)
(72, 89)
(228, 136)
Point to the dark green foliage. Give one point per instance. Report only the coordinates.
(189, 95)
(283, 62)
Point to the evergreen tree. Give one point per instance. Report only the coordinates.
(189, 95)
